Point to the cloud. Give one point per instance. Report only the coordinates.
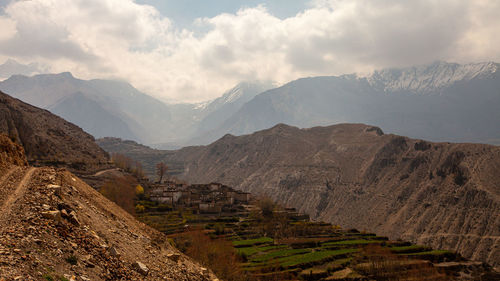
(8, 28)
(125, 40)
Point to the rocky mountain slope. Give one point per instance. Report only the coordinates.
(439, 102)
(49, 139)
(54, 226)
(439, 194)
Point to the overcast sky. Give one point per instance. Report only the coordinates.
(193, 50)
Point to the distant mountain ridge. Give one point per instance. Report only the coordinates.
(438, 102)
(11, 67)
(113, 108)
(126, 112)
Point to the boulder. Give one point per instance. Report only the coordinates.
(141, 268)
(173, 257)
(73, 219)
(53, 215)
(56, 188)
(64, 213)
(113, 251)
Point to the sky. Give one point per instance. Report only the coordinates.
(194, 50)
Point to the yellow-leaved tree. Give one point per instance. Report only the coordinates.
(139, 191)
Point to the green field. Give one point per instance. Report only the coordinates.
(313, 257)
(251, 242)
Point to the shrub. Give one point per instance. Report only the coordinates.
(216, 254)
(72, 260)
(139, 191)
(139, 208)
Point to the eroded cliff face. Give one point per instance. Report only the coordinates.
(440, 194)
(10, 153)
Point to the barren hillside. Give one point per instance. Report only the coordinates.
(54, 226)
(49, 139)
(440, 194)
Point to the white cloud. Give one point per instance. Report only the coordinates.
(121, 39)
(8, 28)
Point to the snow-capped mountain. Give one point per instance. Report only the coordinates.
(199, 120)
(440, 102)
(430, 78)
(231, 101)
(11, 67)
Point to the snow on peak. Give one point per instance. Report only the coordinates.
(202, 105)
(232, 94)
(430, 77)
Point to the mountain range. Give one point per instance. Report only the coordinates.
(113, 108)
(438, 102)
(100, 107)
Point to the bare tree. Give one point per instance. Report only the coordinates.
(161, 169)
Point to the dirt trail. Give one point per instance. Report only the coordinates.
(105, 171)
(16, 194)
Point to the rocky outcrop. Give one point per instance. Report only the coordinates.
(440, 194)
(48, 139)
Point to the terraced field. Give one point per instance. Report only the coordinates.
(280, 248)
(331, 254)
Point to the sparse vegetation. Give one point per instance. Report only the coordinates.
(161, 170)
(128, 165)
(122, 191)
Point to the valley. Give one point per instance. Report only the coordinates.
(441, 195)
(306, 140)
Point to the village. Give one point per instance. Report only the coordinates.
(209, 199)
(200, 198)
